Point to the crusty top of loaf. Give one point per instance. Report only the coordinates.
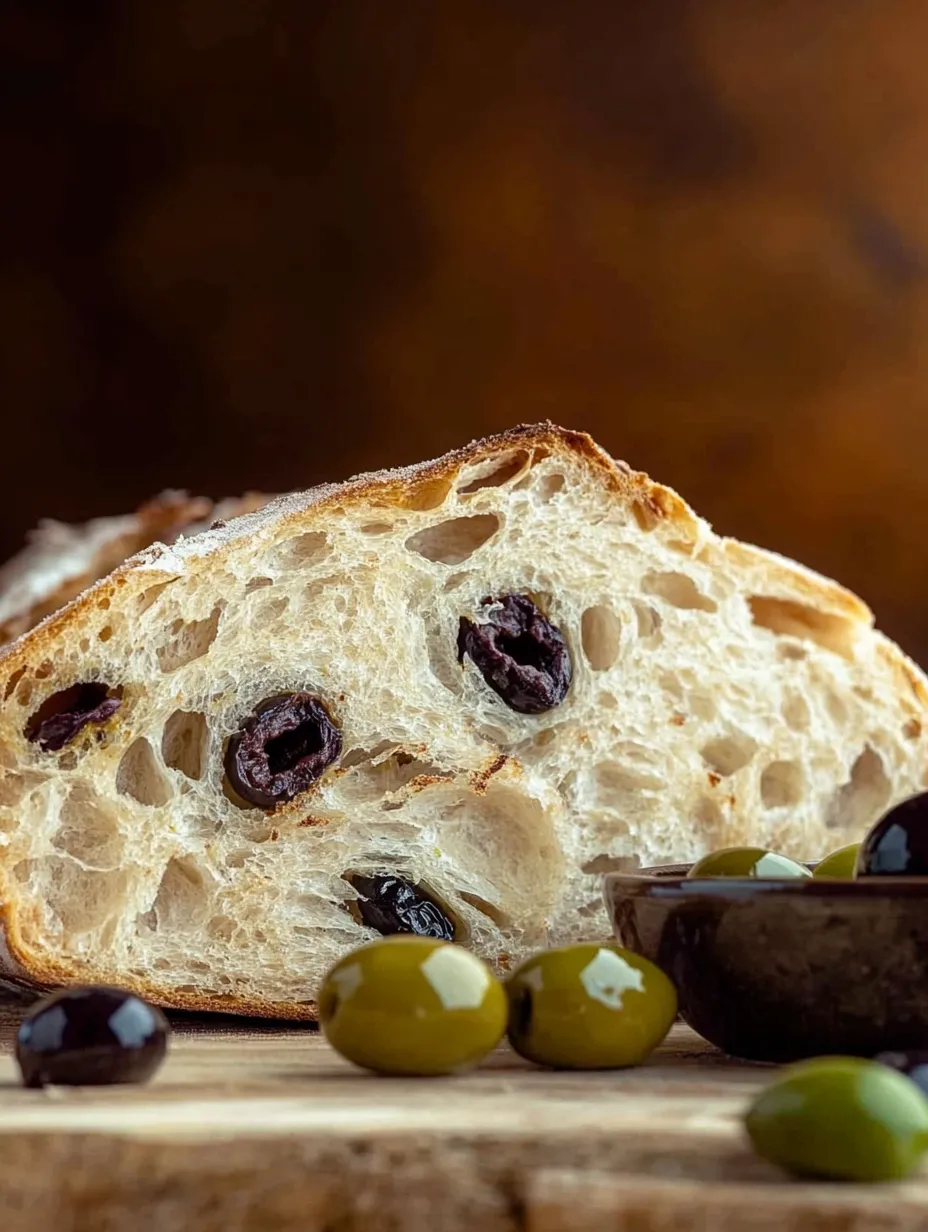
(408, 486)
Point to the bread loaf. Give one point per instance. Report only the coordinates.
(59, 560)
(449, 698)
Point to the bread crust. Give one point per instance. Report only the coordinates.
(61, 561)
(411, 487)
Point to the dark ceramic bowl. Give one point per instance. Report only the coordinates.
(778, 970)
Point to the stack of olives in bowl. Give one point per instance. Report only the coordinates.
(823, 965)
(896, 846)
(407, 1005)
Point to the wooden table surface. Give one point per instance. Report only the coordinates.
(261, 1128)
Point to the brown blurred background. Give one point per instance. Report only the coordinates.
(258, 243)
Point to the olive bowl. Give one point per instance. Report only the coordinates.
(780, 970)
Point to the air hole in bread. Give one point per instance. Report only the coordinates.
(150, 596)
(635, 751)
(729, 754)
(89, 829)
(492, 912)
(857, 804)
(792, 652)
(648, 621)
(612, 782)
(184, 741)
(600, 635)
(684, 546)
(672, 685)
(376, 528)
(302, 550)
(441, 647)
(787, 618)
(506, 840)
(139, 775)
(183, 899)
(710, 823)
(356, 757)
(80, 900)
(427, 494)
(221, 928)
(541, 740)
(13, 790)
(105, 633)
(453, 541)
(13, 682)
(911, 729)
(795, 711)
(370, 780)
(44, 670)
(493, 733)
(679, 590)
(239, 857)
(610, 864)
(493, 473)
(701, 705)
(836, 706)
(189, 640)
(647, 513)
(782, 784)
(24, 692)
(550, 485)
(455, 580)
(272, 608)
(257, 583)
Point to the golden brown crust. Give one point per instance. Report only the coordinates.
(819, 591)
(392, 489)
(42, 972)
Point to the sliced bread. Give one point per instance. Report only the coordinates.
(447, 699)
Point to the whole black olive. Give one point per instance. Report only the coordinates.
(520, 654)
(897, 846)
(94, 1036)
(282, 749)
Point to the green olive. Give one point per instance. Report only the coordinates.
(747, 862)
(412, 1005)
(840, 863)
(841, 1118)
(589, 1007)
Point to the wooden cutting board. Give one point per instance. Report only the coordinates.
(254, 1127)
